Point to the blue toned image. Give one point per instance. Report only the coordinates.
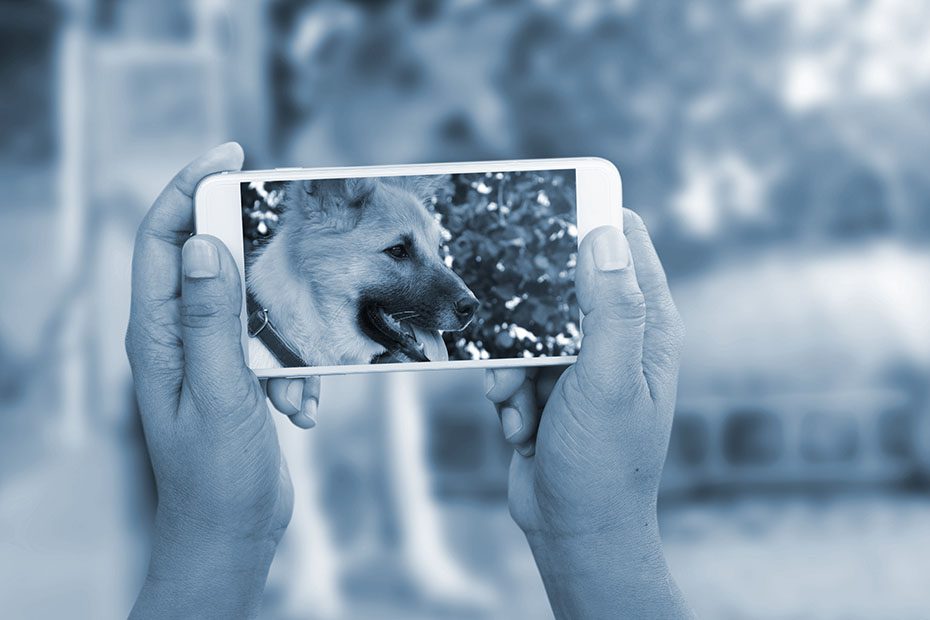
(775, 151)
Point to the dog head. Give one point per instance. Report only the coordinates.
(371, 250)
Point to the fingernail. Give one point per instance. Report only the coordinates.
(294, 394)
(611, 251)
(511, 422)
(527, 449)
(309, 410)
(302, 421)
(488, 382)
(200, 259)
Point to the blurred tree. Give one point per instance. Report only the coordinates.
(261, 208)
(513, 240)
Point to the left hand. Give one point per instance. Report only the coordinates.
(224, 493)
(591, 439)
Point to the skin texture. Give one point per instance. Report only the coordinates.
(224, 494)
(590, 441)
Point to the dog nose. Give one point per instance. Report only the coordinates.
(465, 307)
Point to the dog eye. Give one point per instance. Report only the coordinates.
(398, 251)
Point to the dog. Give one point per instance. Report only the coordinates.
(354, 275)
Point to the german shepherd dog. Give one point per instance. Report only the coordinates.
(354, 275)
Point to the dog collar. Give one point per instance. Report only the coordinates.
(261, 327)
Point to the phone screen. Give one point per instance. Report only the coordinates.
(468, 266)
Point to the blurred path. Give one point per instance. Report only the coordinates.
(844, 555)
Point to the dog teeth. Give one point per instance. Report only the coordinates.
(388, 319)
(398, 326)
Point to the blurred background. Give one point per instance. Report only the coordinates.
(777, 150)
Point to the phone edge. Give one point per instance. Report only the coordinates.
(287, 174)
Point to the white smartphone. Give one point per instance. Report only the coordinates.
(413, 267)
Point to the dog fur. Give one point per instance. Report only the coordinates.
(330, 259)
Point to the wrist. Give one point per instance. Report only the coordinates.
(609, 572)
(594, 553)
(195, 568)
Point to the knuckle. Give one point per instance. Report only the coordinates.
(201, 314)
(148, 347)
(630, 305)
(588, 389)
(635, 301)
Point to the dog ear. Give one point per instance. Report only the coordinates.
(336, 202)
(424, 187)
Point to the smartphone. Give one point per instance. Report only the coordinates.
(414, 267)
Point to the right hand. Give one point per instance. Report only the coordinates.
(590, 444)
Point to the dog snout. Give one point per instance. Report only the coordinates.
(465, 307)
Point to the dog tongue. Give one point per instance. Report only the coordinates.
(433, 346)
(422, 344)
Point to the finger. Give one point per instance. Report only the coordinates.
(172, 215)
(289, 396)
(303, 420)
(664, 332)
(286, 395)
(520, 418)
(501, 383)
(156, 263)
(545, 383)
(310, 403)
(156, 272)
(211, 330)
(610, 361)
(306, 417)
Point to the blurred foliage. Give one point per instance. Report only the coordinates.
(261, 209)
(738, 127)
(512, 238)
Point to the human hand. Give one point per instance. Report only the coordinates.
(224, 494)
(591, 439)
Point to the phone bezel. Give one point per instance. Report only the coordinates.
(218, 212)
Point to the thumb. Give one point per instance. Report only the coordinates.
(610, 361)
(211, 330)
